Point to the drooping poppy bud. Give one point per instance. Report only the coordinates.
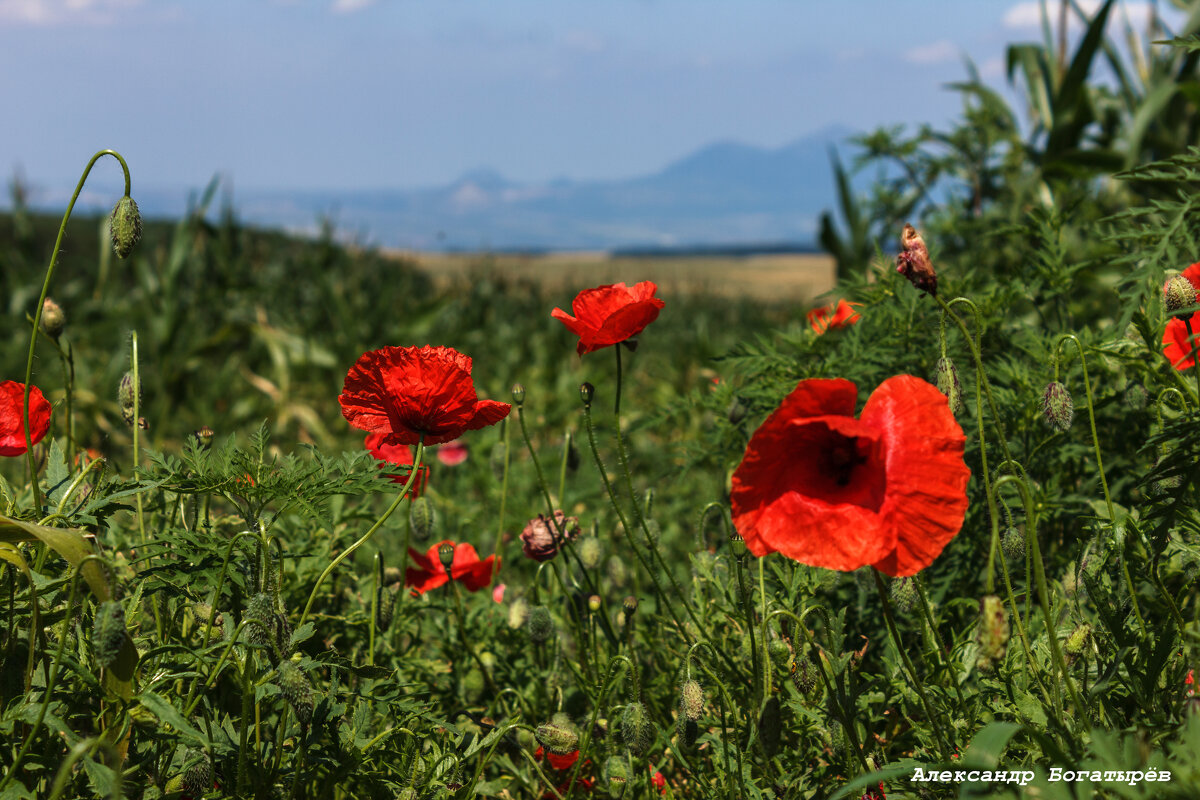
(560, 739)
(539, 624)
(54, 321)
(691, 700)
(993, 631)
(1057, 406)
(125, 224)
(296, 688)
(422, 518)
(946, 379)
(636, 728)
(109, 633)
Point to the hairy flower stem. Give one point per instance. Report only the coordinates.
(748, 612)
(725, 702)
(934, 722)
(939, 645)
(466, 640)
(137, 425)
(243, 768)
(610, 678)
(1043, 592)
(503, 498)
(366, 537)
(1187, 321)
(617, 401)
(37, 317)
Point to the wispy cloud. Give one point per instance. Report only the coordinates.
(934, 53)
(350, 6)
(59, 12)
(1028, 14)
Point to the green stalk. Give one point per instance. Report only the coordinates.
(503, 501)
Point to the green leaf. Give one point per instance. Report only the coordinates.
(988, 745)
(161, 708)
(72, 544)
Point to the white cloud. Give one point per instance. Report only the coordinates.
(57, 12)
(1028, 14)
(350, 6)
(935, 53)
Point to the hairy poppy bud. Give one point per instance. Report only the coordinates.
(540, 624)
(691, 700)
(1057, 406)
(392, 575)
(804, 675)
(1012, 543)
(618, 573)
(1179, 293)
(518, 393)
(54, 321)
(125, 224)
(946, 378)
(779, 652)
(260, 616)
(197, 773)
(446, 555)
(903, 594)
(422, 518)
(616, 775)
(1078, 640)
(109, 632)
(518, 612)
(636, 728)
(590, 552)
(993, 631)
(385, 607)
(473, 684)
(913, 261)
(560, 739)
(297, 689)
(125, 397)
(586, 393)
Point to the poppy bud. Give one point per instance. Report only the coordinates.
(125, 397)
(946, 378)
(1179, 293)
(422, 518)
(496, 460)
(446, 555)
(616, 775)
(903, 594)
(913, 261)
(779, 652)
(1057, 406)
(594, 603)
(260, 620)
(1078, 640)
(1012, 543)
(804, 675)
(125, 224)
(54, 321)
(690, 732)
(558, 739)
(590, 552)
(518, 612)
(691, 700)
(992, 632)
(385, 607)
(737, 546)
(636, 729)
(109, 632)
(586, 392)
(617, 571)
(473, 684)
(296, 688)
(630, 604)
(197, 774)
(1135, 395)
(518, 393)
(539, 624)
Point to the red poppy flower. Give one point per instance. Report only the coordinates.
(466, 568)
(400, 455)
(1176, 346)
(453, 453)
(12, 427)
(658, 781)
(833, 316)
(558, 761)
(825, 489)
(609, 315)
(414, 393)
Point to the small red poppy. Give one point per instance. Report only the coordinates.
(400, 455)
(453, 453)
(12, 427)
(1176, 346)
(557, 761)
(466, 568)
(828, 490)
(838, 315)
(658, 781)
(609, 315)
(410, 394)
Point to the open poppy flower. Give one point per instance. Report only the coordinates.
(453, 453)
(832, 316)
(828, 490)
(410, 394)
(466, 568)
(12, 427)
(400, 455)
(1176, 346)
(609, 315)
(557, 761)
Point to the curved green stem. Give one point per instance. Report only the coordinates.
(366, 537)
(610, 678)
(37, 317)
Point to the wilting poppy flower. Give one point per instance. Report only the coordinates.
(1176, 346)
(825, 489)
(832, 316)
(414, 393)
(453, 453)
(541, 536)
(400, 455)
(466, 568)
(12, 427)
(608, 315)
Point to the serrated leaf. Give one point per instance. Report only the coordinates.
(161, 708)
(301, 634)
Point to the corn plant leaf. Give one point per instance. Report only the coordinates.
(70, 543)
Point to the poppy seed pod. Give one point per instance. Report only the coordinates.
(294, 685)
(541, 537)
(204, 437)
(1057, 406)
(446, 555)
(586, 393)
(539, 624)
(125, 225)
(518, 393)
(1179, 293)
(630, 604)
(691, 700)
(422, 518)
(946, 379)
(109, 633)
(594, 603)
(54, 321)
(560, 739)
(992, 632)
(636, 729)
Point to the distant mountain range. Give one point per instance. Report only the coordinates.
(725, 195)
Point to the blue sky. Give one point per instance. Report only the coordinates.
(330, 94)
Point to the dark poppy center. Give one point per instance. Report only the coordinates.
(838, 463)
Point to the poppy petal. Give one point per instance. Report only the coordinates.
(12, 426)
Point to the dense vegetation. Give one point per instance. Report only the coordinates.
(177, 622)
